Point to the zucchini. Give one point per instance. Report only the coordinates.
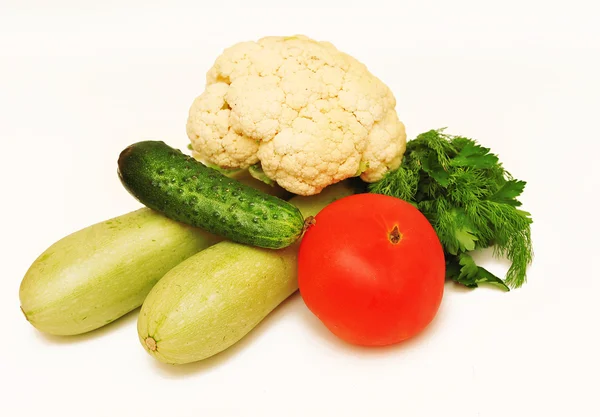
(214, 298)
(102, 272)
(167, 180)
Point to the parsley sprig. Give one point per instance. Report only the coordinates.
(470, 200)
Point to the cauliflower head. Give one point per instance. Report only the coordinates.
(310, 114)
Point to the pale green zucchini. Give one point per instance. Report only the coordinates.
(213, 299)
(102, 272)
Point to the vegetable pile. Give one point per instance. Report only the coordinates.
(300, 176)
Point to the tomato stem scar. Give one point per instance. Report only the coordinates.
(395, 236)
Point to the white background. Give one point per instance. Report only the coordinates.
(79, 81)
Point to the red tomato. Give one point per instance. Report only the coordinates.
(372, 269)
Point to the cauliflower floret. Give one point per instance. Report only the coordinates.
(310, 114)
(213, 139)
(384, 151)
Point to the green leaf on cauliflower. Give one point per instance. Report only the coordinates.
(225, 171)
(362, 167)
(257, 172)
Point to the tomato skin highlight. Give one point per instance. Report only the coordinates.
(372, 269)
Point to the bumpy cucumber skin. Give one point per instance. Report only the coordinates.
(98, 274)
(182, 188)
(213, 299)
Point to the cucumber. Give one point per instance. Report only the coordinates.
(214, 298)
(182, 188)
(100, 273)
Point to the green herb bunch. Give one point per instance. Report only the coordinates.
(470, 200)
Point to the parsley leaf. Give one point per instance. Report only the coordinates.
(463, 270)
(434, 168)
(508, 192)
(474, 156)
(466, 238)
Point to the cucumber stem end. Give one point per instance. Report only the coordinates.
(308, 222)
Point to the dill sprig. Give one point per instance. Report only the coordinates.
(470, 200)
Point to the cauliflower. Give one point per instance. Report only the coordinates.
(308, 113)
